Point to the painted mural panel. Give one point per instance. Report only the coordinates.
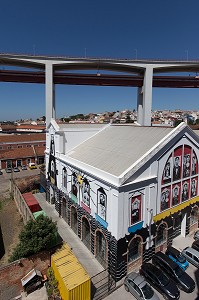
(166, 178)
(52, 171)
(74, 186)
(182, 164)
(165, 198)
(194, 164)
(185, 190)
(176, 192)
(177, 163)
(194, 187)
(136, 209)
(102, 203)
(186, 161)
(86, 192)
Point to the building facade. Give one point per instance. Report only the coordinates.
(127, 191)
(21, 149)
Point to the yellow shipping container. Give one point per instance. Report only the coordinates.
(73, 281)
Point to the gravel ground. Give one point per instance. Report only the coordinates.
(10, 220)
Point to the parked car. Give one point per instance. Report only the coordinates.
(192, 256)
(196, 235)
(16, 169)
(23, 167)
(8, 170)
(1, 172)
(32, 166)
(160, 281)
(177, 256)
(195, 245)
(138, 287)
(183, 280)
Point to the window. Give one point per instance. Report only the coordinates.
(194, 215)
(19, 146)
(9, 147)
(1, 147)
(134, 249)
(161, 234)
(28, 146)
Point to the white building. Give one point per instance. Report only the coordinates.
(125, 190)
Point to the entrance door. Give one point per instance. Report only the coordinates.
(101, 249)
(86, 238)
(177, 226)
(64, 209)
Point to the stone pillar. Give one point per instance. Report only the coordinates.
(50, 93)
(144, 99)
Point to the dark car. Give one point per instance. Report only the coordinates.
(195, 245)
(160, 281)
(177, 256)
(139, 288)
(196, 235)
(183, 280)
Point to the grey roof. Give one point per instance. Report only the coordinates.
(65, 126)
(118, 147)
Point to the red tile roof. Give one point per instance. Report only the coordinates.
(21, 152)
(16, 138)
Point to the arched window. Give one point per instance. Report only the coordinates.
(134, 249)
(74, 224)
(86, 238)
(64, 209)
(101, 252)
(194, 215)
(161, 234)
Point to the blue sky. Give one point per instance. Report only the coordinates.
(114, 29)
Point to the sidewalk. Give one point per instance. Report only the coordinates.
(181, 242)
(88, 261)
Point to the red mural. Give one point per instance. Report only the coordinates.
(179, 180)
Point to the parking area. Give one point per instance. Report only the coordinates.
(20, 174)
(179, 243)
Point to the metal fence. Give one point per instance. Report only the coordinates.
(102, 284)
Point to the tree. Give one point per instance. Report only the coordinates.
(36, 236)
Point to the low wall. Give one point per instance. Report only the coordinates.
(11, 274)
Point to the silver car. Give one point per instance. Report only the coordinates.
(191, 255)
(139, 288)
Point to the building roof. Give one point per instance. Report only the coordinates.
(22, 152)
(22, 138)
(65, 126)
(118, 147)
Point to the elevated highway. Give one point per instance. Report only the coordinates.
(143, 74)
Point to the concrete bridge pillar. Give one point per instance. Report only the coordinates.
(144, 99)
(50, 93)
